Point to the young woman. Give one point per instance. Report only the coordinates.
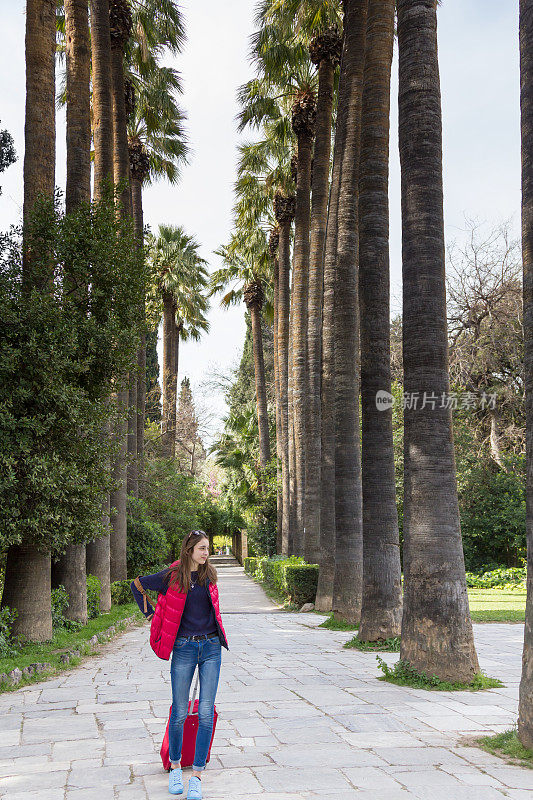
(199, 640)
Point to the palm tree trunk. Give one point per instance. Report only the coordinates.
(168, 433)
(436, 627)
(382, 604)
(118, 497)
(279, 493)
(98, 552)
(326, 573)
(70, 569)
(136, 197)
(39, 128)
(27, 588)
(78, 189)
(525, 706)
(299, 316)
(101, 105)
(176, 331)
(260, 384)
(284, 208)
(121, 171)
(347, 590)
(27, 573)
(319, 214)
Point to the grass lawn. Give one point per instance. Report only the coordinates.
(497, 605)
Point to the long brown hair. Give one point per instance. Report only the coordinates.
(179, 576)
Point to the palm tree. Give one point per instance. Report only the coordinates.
(98, 552)
(120, 27)
(436, 627)
(157, 148)
(178, 283)
(381, 606)
(525, 707)
(284, 207)
(156, 138)
(28, 569)
(246, 264)
(70, 569)
(285, 72)
(325, 53)
(263, 185)
(347, 589)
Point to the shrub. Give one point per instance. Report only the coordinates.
(250, 565)
(59, 598)
(147, 545)
(502, 578)
(302, 582)
(93, 596)
(121, 593)
(9, 644)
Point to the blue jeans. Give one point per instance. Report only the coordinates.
(186, 654)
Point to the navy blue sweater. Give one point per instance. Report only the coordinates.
(198, 614)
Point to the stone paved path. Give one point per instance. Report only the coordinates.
(299, 718)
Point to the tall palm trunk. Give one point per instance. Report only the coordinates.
(120, 28)
(78, 189)
(139, 166)
(27, 575)
(168, 397)
(273, 244)
(347, 590)
(70, 569)
(27, 588)
(176, 335)
(39, 127)
(98, 552)
(325, 52)
(253, 297)
(284, 212)
(525, 707)
(326, 574)
(303, 123)
(381, 608)
(436, 628)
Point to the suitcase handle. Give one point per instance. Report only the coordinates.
(194, 692)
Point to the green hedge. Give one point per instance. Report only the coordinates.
(93, 596)
(502, 578)
(121, 593)
(289, 576)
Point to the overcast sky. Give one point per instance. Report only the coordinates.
(478, 53)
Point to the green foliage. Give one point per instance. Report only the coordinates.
(493, 512)
(121, 592)
(7, 151)
(509, 746)
(59, 605)
(302, 582)
(250, 565)
(173, 501)
(391, 645)
(403, 674)
(62, 348)
(9, 644)
(147, 546)
(502, 578)
(93, 596)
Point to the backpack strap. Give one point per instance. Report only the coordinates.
(139, 586)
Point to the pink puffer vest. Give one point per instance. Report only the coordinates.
(167, 618)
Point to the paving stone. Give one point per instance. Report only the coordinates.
(513, 777)
(95, 777)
